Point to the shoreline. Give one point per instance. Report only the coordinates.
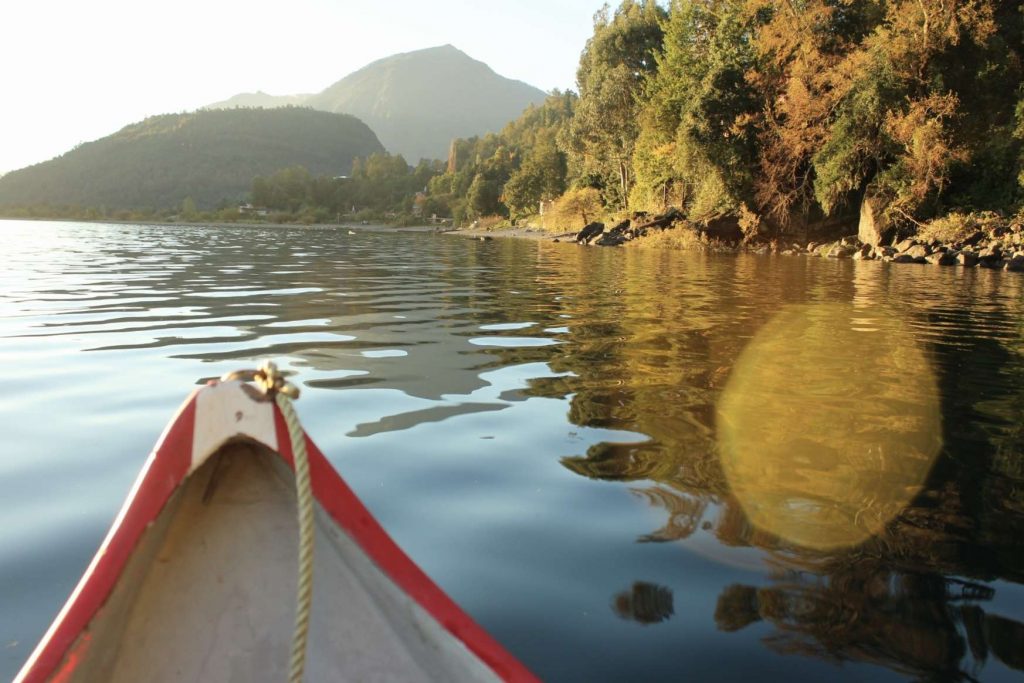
(999, 248)
(368, 227)
(526, 233)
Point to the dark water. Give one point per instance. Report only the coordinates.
(626, 465)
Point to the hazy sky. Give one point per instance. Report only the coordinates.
(72, 71)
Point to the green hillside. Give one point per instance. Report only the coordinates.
(210, 156)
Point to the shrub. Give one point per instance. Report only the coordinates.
(956, 226)
(573, 210)
(684, 237)
(491, 222)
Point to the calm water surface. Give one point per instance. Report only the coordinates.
(626, 465)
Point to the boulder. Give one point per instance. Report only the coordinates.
(590, 233)
(610, 239)
(940, 258)
(841, 251)
(973, 238)
(918, 252)
(967, 259)
(884, 252)
(905, 245)
(1015, 264)
(903, 258)
(874, 228)
(990, 256)
(620, 228)
(865, 253)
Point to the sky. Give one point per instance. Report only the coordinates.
(72, 71)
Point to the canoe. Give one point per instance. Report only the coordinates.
(196, 579)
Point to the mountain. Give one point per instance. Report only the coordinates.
(418, 102)
(260, 99)
(210, 156)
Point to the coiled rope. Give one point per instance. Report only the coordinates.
(273, 383)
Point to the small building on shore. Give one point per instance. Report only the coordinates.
(250, 210)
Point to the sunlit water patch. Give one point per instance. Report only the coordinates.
(512, 342)
(384, 353)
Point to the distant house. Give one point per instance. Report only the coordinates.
(250, 210)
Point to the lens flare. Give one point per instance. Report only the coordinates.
(829, 424)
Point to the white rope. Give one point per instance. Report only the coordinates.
(272, 382)
(304, 494)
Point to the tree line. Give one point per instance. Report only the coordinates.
(787, 112)
(796, 111)
(499, 174)
(799, 110)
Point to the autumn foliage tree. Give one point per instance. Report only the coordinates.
(800, 109)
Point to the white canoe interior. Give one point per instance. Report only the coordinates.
(209, 594)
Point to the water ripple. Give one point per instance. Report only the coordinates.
(537, 425)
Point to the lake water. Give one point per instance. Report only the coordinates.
(625, 464)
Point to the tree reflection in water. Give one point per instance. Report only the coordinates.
(918, 624)
(645, 603)
(910, 591)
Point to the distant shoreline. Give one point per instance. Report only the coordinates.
(370, 227)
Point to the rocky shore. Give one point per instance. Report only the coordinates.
(995, 243)
(639, 225)
(1001, 250)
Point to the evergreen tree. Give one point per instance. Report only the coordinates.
(482, 197)
(695, 146)
(613, 66)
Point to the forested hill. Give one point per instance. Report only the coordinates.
(208, 156)
(418, 102)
